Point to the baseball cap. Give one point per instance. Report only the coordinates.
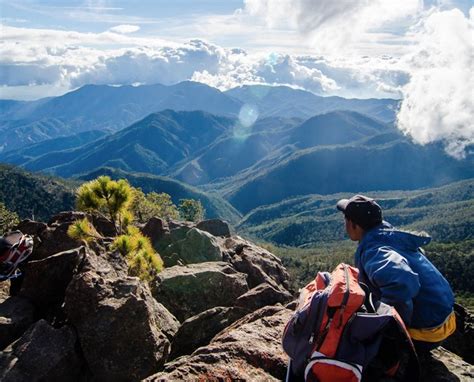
(362, 210)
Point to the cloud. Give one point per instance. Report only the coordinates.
(71, 59)
(438, 101)
(125, 28)
(333, 25)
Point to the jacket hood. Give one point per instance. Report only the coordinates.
(388, 235)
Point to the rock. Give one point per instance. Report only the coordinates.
(192, 289)
(16, 315)
(157, 230)
(248, 350)
(67, 217)
(215, 227)
(54, 240)
(200, 329)
(461, 342)
(260, 265)
(31, 227)
(124, 333)
(263, 295)
(43, 353)
(103, 226)
(196, 247)
(445, 366)
(46, 280)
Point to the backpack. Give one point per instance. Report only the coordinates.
(338, 333)
(15, 248)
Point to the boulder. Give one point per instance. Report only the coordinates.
(46, 280)
(248, 350)
(215, 227)
(104, 226)
(124, 333)
(444, 366)
(263, 295)
(54, 240)
(260, 265)
(200, 329)
(158, 232)
(16, 315)
(192, 289)
(67, 217)
(196, 247)
(43, 353)
(31, 227)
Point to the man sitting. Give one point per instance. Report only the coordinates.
(392, 264)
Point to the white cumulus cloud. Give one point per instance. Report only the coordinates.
(438, 100)
(125, 28)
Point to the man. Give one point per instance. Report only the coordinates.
(393, 265)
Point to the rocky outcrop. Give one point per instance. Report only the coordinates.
(43, 353)
(124, 333)
(260, 265)
(248, 350)
(263, 295)
(90, 321)
(192, 289)
(196, 247)
(215, 227)
(200, 329)
(46, 280)
(16, 315)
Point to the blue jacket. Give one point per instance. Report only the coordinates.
(393, 266)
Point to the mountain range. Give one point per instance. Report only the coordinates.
(294, 144)
(111, 108)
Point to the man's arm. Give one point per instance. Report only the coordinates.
(391, 274)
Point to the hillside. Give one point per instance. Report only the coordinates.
(286, 101)
(34, 196)
(398, 164)
(102, 107)
(150, 145)
(446, 213)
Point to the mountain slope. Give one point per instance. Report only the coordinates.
(32, 195)
(446, 213)
(101, 107)
(289, 102)
(350, 168)
(150, 145)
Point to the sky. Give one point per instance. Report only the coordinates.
(418, 51)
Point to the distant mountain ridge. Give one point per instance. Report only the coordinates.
(274, 159)
(111, 108)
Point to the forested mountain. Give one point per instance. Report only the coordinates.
(111, 108)
(446, 213)
(274, 159)
(286, 101)
(102, 107)
(34, 196)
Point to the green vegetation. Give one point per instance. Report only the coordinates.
(143, 261)
(214, 205)
(108, 198)
(113, 200)
(153, 204)
(191, 210)
(8, 219)
(33, 195)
